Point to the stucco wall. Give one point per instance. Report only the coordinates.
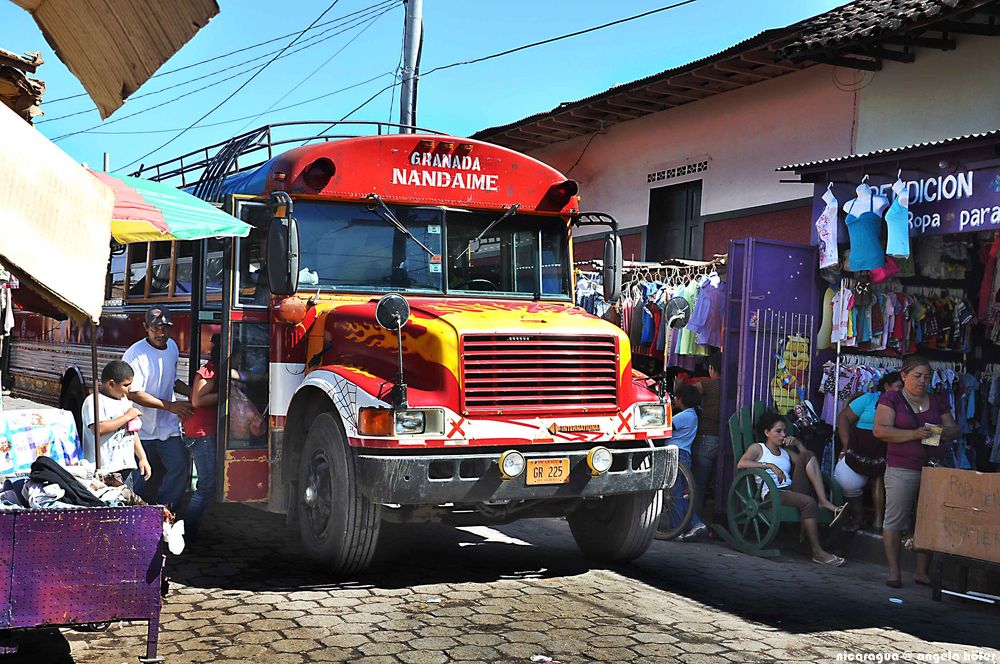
(745, 134)
(942, 94)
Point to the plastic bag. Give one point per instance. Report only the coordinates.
(245, 420)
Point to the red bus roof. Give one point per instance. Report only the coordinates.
(420, 169)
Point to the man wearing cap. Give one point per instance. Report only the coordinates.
(154, 361)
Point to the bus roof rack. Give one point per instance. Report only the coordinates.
(206, 168)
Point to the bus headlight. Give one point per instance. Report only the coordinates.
(410, 422)
(511, 464)
(650, 415)
(599, 460)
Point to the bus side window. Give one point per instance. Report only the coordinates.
(160, 268)
(184, 271)
(214, 266)
(137, 270)
(253, 261)
(117, 276)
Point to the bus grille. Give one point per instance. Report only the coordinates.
(517, 373)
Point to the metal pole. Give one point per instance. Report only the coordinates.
(412, 37)
(107, 162)
(95, 383)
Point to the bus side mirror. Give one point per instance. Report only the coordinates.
(612, 268)
(283, 256)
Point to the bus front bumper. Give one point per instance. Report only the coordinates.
(465, 478)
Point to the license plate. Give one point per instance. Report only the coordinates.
(547, 471)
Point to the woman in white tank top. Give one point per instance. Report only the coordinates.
(796, 472)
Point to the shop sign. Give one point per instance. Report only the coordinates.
(962, 202)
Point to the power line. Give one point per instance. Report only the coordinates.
(304, 46)
(244, 49)
(358, 108)
(315, 71)
(231, 95)
(245, 117)
(560, 37)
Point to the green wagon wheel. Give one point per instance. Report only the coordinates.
(753, 519)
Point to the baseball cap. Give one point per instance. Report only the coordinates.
(157, 316)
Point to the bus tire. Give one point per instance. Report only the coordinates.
(616, 529)
(338, 525)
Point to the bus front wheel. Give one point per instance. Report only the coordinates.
(339, 526)
(616, 528)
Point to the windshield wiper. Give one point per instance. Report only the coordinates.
(379, 205)
(510, 212)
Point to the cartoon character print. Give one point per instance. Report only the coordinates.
(790, 375)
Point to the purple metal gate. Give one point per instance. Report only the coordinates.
(760, 275)
(78, 566)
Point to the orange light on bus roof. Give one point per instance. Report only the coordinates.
(464, 148)
(426, 145)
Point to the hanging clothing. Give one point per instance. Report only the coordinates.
(826, 231)
(865, 230)
(897, 220)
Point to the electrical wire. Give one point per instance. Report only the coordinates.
(560, 37)
(245, 117)
(221, 56)
(230, 96)
(303, 46)
(370, 23)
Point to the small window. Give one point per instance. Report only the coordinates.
(184, 272)
(253, 262)
(160, 268)
(137, 255)
(214, 268)
(117, 275)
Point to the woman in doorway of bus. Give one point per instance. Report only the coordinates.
(200, 435)
(862, 455)
(912, 423)
(797, 475)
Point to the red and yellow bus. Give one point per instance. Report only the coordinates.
(491, 398)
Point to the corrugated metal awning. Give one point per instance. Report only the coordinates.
(114, 46)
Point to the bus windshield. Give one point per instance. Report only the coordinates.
(352, 247)
(520, 255)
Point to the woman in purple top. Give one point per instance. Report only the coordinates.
(903, 421)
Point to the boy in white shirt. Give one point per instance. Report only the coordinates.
(121, 451)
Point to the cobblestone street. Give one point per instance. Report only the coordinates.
(503, 595)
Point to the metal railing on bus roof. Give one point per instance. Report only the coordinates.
(206, 168)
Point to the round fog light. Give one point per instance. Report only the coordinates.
(599, 459)
(511, 464)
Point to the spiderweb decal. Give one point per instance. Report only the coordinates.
(345, 395)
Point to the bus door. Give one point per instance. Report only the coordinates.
(234, 305)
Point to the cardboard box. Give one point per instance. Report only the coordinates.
(959, 513)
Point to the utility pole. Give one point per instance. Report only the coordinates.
(412, 42)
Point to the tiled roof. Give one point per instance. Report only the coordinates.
(889, 152)
(861, 34)
(868, 20)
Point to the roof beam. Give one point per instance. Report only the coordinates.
(628, 114)
(852, 63)
(524, 139)
(770, 63)
(984, 29)
(650, 96)
(718, 78)
(683, 91)
(584, 113)
(883, 53)
(941, 43)
(548, 134)
(623, 102)
(567, 120)
(742, 72)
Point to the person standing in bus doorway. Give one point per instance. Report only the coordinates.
(200, 432)
(154, 361)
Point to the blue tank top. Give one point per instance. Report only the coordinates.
(866, 244)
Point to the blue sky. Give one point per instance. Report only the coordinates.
(459, 100)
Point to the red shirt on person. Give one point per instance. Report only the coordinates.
(205, 421)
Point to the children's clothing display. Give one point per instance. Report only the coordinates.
(826, 231)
